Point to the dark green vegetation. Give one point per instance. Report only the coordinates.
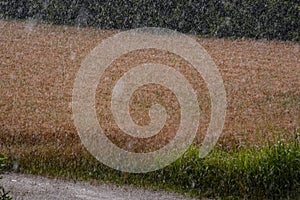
(270, 19)
(4, 195)
(265, 172)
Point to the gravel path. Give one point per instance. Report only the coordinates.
(38, 188)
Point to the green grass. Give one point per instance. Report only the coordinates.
(4, 195)
(269, 172)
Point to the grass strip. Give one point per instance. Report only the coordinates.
(268, 172)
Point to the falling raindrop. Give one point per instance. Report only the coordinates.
(30, 24)
(15, 165)
(82, 18)
(2, 24)
(72, 56)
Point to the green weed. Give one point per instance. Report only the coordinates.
(269, 172)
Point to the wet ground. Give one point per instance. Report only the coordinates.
(37, 187)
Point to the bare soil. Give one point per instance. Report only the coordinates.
(38, 66)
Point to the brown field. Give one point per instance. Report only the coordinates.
(38, 65)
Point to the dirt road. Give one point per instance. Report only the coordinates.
(37, 188)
